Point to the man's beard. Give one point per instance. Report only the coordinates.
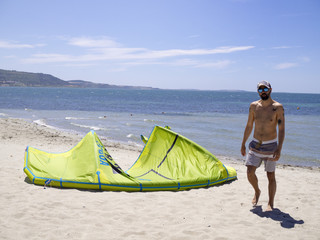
(265, 96)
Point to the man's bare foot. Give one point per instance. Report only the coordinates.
(269, 208)
(256, 198)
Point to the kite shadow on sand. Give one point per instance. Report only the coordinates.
(286, 221)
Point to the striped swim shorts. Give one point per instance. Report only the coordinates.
(262, 151)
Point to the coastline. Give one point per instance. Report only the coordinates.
(223, 211)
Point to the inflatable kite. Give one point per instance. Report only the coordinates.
(168, 161)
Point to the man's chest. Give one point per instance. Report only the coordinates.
(266, 114)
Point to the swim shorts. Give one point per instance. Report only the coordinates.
(262, 151)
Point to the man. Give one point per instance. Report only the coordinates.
(265, 115)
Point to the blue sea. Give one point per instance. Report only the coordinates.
(213, 119)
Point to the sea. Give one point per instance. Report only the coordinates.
(213, 119)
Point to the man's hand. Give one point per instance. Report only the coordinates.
(243, 150)
(276, 155)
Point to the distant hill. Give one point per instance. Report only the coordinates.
(26, 79)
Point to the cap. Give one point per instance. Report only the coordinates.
(264, 83)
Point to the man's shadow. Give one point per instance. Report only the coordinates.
(286, 221)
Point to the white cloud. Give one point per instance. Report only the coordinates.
(202, 64)
(182, 62)
(105, 49)
(131, 54)
(285, 47)
(93, 42)
(193, 52)
(285, 65)
(9, 45)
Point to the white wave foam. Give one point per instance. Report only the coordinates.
(84, 118)
(42, 122)
(95, 128)
(132, 138)
(75, 118)
(149, 120)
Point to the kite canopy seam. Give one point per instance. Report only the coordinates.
(168, 161)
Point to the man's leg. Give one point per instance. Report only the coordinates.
(253, 180)
(272, 189)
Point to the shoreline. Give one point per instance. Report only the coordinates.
(220, 133)
(222, 211)
(130, 145)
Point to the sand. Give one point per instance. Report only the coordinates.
(220, 212)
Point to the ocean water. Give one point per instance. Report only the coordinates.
(213, 119)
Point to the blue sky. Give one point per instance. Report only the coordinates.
(173, 44)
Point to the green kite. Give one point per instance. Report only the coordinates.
(168, 161)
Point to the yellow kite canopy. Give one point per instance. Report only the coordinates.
(168, 161)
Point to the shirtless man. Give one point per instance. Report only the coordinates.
(265, 115)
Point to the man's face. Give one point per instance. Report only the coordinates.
(264, 92)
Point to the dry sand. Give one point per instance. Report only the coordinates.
(220, 212)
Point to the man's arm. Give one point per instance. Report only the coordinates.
(248, 129)
(281, 133)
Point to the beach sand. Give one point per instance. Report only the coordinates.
(220, 212)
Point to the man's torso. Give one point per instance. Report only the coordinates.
(265, 119)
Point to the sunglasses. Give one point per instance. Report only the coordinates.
(260, 90)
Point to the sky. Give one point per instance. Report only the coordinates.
(170, 44)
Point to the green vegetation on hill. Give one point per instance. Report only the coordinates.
(25, 79)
